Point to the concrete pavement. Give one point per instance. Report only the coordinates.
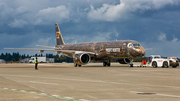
(92, 82)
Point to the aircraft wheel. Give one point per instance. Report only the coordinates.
(174, 66)
(130, 65)
(108, 64)
(75, 65)
(165, 64)
(104, 64)
(154, 64)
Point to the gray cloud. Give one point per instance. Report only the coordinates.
(122, 11)
(154, 23)
(162, 37)
(52, 14)
(17, 23)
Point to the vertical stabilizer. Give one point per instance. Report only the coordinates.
(59, 37)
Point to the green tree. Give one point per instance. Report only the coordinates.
(20, 58)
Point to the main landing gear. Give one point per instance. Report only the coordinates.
(75, 65)
(107, 63)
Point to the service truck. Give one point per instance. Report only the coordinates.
(157, 61)
(40, 59)
(173, 61)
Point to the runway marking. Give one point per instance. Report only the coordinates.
(83, 100)
(44, 83)
(42, 94)
(32, 92)
(92, 81)
(55, 95)
(22, 90)
(69, 97)
(135, 92)
(167, 95)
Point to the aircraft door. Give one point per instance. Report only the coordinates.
(124, 48)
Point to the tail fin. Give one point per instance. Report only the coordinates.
(59, 37)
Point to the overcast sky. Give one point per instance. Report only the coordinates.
(153, 23)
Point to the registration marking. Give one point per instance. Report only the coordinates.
(109, 50)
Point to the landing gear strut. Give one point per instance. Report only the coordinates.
(104, 64)
(75, 65)
(131, 63)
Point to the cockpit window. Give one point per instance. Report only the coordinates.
(156, 57)
(135, 45)
(130, 45)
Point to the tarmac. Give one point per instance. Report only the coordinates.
(92, 82)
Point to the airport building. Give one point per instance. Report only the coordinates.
(2, 61)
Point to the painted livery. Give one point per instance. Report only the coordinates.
(83, 53)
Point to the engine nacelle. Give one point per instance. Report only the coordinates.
(82, 59)
(124, 61)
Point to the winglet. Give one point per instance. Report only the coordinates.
(59, 37)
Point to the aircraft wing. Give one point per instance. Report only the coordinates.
(30, 49)
(58, 51)
(46, 46)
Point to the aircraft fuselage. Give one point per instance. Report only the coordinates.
(106, 50)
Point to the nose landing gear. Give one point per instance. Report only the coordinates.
(131, 63)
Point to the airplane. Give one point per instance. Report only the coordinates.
(82, 53)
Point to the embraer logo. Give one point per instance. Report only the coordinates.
(57, 35)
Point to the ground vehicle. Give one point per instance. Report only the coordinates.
(173, 61)
(40, 59)
(156, 61)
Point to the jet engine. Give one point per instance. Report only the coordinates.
(82, 58)
(124, 61)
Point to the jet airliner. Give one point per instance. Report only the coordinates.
(82, 53)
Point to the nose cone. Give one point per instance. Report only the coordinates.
(139, 51)
(143, 52)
